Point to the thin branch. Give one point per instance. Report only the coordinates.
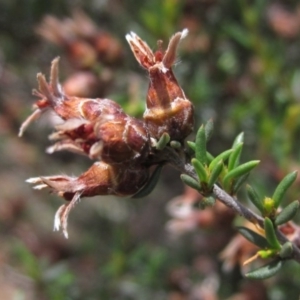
(178, 162)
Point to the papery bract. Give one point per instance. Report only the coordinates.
(168, 109)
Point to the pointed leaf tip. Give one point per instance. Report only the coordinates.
(271, 235)
(288, 213)
(282, 187)
(200, 151)
(266, 271)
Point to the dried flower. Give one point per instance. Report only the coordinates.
(100, 129)
(168, 110)
(100, 179)
(96, 127)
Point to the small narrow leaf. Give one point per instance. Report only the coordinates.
(239, 182)
(288, 213)
(239, 139)
(200, 170)
(270, 234)
(209, 157)
(240, 171)
(253, 237)
(266, 271)
(188, 180)
(286, 250)
(209, 127)
(223, 156)
(235, 156)
(163, 141)
(254, 198)
(192, 145)
(150, 185)
(216, 171)
(282, 187)
(200, 151)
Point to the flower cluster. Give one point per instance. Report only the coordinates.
(122, 146)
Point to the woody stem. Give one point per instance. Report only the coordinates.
(185, 167)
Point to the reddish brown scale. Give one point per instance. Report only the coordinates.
(92, 109)
(43, 103)
(123, 139)
(68, 108)
(158, 55)
(85, 131)
(86, 147)
(178, 124)
(167, 108)
(163, 89)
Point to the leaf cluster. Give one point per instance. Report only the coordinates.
(228, 172)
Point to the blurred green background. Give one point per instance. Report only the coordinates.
(240, 65)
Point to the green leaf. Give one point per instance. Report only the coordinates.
(192, 145)
(288, 213)
(253, 237)
(209, 157)
(239, 171)
(239, 34)
(188, 180)
(200, 170)
(235, 156)
(271, 235)
(209, 127)
(150, 185)
(254, 198)
(200, 151)
(239, 139)
(239, 182)
(216, 171)
(266, 271)
(286, 250)
(223, 156)
(163, 141)
(282, 187)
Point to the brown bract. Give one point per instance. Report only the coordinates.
(168, 109)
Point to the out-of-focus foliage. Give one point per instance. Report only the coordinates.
(240, 65)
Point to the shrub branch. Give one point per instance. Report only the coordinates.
(177, 161)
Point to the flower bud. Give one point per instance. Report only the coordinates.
(168, 110)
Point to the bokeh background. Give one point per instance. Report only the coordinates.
(240, 65)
